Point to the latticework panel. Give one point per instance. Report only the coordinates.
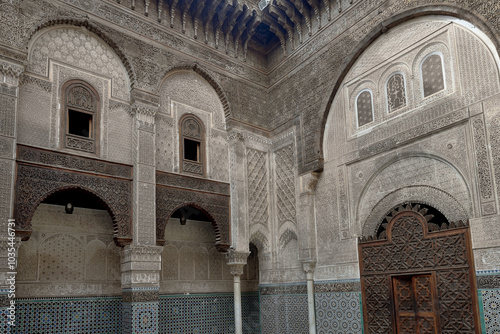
(429, 274)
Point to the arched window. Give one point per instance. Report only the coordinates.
(192, 145)
(364, 108)
(432, 74)
(81, 112)
(396, 94)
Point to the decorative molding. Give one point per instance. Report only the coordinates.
(488, 282)
(140, 296)
(72, 162)
(337, 287)
(26, 79)
(192, 183)
(284, 290)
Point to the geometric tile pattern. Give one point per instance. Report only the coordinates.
(4, 326)
(284, 314)
(250, 309)
(213, 313)
(72, 315)
(338, 312)
(490, 309)
(144, 317)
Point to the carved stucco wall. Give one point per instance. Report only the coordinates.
(192, 264)
(271, 182)
(63, 53)
(69, 255)
(435, 150)
(184, 92)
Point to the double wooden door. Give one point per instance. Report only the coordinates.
(415, 303)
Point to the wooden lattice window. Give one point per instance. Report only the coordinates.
(80, 116)
(364, 108)
(432, 74)
(396, 94)
(192, 145)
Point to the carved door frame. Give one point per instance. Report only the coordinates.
(409, 248)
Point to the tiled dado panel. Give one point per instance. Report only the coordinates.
(488, 284)
(212, 313)
(69, 315)
(284, 309)
(144, 318)
(338, 312)
(4, 326)
(489, 304)
(338, 307)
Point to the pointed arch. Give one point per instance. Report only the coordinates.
(381, 28)
(29, 211)
(163, 221)
(51, 22)
(196, 68)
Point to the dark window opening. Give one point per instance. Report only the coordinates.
(191, 150)
(79, 123)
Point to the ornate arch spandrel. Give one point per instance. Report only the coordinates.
(56, 22)
(175, 191)
(411, 250)
(41, 173)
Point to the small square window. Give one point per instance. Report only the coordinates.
(79, 123)
(191, 150)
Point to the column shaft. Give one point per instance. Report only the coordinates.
(310, 303)
(238, 321)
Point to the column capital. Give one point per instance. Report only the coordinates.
(9, 69)
(309, 266)
(144, 106)
(9, 76)
(145, 114)
(235, 135)
(308, 183)
(236, 257)
(236, 261)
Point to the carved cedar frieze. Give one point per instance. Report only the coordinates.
(211, 197)
(41, 173)
(72, 162)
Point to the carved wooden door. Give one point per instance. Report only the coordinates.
(415, 304)
(419, 277)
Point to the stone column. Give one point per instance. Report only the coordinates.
(236, 261)
(309, 269)
(306, 219)
(141, 261)
(239, 225)
(9, 244)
